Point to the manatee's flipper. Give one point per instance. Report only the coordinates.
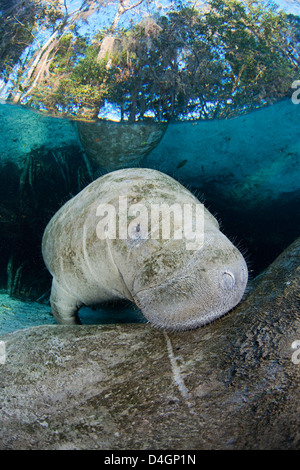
(64, 306)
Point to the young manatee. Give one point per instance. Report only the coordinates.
(138, 234)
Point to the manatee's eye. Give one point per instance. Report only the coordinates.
(244, 274)
(228, 280)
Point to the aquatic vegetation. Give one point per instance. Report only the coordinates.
(30, 195)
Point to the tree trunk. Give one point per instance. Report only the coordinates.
(40, 57)
(32, 68)
(133, 107)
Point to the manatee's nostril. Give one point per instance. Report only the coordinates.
(228, 280)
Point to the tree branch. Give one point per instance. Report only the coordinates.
(27, 30)
(66, 7)
(132, 6)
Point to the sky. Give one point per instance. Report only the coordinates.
(290, 6)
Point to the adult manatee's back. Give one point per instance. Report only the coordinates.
(109, 243)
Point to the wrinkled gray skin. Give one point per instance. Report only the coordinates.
(176, 288)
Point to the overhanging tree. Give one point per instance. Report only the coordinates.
(229, 58)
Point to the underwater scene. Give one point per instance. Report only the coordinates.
(136, 341)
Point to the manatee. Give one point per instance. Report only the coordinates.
(114, 145)
(105, 243)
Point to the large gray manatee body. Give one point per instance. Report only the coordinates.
(175, 287)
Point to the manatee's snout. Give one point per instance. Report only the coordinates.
(212, 283)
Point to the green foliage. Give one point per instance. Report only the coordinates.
(15, 36)
(231, 58)
(76, 80)
(253, 40)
